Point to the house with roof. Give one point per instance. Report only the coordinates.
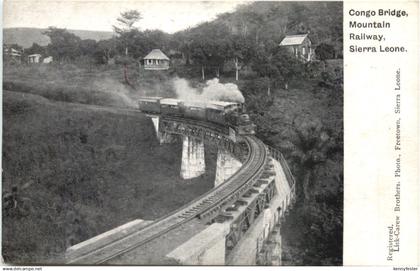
(299, 45)
(156, 60)
(34, 58)
(11, 54)
(48, 59)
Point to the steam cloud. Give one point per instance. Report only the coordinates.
(115, 89)
(212, 91)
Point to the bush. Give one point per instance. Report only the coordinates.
(325, 51)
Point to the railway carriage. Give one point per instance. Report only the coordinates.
(170, 107)
(150, 104)
(215, 114)
(194, 110)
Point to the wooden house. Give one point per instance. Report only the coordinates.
(11, 55)
(34, 58)
(156, 60)
(300, 46)
(48, 59)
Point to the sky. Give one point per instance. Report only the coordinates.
(169, 16)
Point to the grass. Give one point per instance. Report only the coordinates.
(100, 85)
(81, 171)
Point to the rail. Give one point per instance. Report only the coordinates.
(277, 155)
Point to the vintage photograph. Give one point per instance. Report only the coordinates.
(172, 133)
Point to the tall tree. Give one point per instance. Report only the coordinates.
(289, 67)
(264, 64)
(127, 32)
(64, 45)
(125, 26)
(242, 51)
(311, 145)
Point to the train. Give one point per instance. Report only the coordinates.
(231, 114)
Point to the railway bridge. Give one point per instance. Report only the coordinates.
(238, 222)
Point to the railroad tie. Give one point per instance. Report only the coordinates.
(241, 202)
(231, 209)
(254, 191)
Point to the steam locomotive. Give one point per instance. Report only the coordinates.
(225, 113)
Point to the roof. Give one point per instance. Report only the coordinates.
(223, 103)
(169, 101)
(194, 104)
(220, 105)
(150, 98)
(215, 106)
(293, 40)
(156, 54)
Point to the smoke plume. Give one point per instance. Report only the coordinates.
(212, 91)
(115, 89)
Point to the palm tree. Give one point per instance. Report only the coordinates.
(311, 147)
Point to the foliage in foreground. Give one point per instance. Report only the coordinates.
(305, 122)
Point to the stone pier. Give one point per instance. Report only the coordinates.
(227, 165)
(155, 120)
(161, 136)
(193, 160)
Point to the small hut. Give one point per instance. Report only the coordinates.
(156, 60)
(11, 55)
(299, 45)
(47, 60)
(34, 58)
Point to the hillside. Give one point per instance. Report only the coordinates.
(27, 36)
(264, 24)
(80, 171)
(273, 20)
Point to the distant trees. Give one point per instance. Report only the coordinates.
(210, 47)
(278, 66)
(87, 47)
(266, 68)
(290, 68)
(242, 51)
(64, 46)
(246, 40)
(105, 50)
(35, 49)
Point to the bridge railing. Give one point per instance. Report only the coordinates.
(277, 155)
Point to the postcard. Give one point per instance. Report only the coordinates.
(210, 133)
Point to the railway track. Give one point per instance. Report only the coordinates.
(210, 202)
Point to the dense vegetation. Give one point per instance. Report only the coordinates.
(297, 106)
